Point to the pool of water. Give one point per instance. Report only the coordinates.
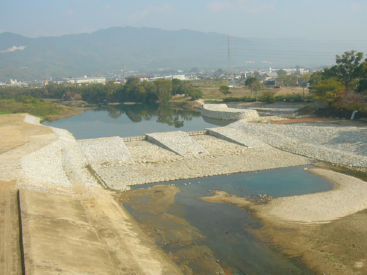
(132, 120)
(228, 230)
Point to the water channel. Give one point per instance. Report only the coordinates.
(222, 232)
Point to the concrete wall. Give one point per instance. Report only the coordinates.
(222, 112)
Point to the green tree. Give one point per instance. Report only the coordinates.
(328, 91)
(195, 93)
(254, 84)
(224, 89)
(288, 80)
(163, 90)
(281, 72)
(348, 68)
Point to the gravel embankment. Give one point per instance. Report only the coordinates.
(345, 146)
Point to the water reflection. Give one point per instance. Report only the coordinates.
(165, 114)
(132, 120)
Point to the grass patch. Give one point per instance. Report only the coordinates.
(34, 106)
(4, 113)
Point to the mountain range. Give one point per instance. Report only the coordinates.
(149, 49)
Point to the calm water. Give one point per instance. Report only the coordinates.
(228, 228)
(132, 120)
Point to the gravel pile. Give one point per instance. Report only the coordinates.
(339, 145)
(179, 142)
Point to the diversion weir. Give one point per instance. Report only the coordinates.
(238, 147)
(156, 157)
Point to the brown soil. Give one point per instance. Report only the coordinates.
(338, 247)
(151, 206)
(15, 132)
(301, 120)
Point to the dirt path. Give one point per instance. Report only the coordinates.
(15, 138)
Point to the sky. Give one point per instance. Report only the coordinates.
(311, 19)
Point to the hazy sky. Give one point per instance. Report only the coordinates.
(313, 19)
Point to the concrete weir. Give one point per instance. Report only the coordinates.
(236, 136)
(178, 142)
(105, 150)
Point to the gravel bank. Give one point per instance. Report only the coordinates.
(347, 198)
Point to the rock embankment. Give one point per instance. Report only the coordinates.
(345, 146)
(58, 165)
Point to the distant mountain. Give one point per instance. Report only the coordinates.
(148, 49)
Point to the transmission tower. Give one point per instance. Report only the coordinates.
(229, 54)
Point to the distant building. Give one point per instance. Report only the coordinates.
(87, 80)
(16, 83)
(179, 77)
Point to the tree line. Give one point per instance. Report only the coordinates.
(344, 85)
(158, 91)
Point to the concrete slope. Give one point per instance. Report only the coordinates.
(105, 150)
(237, 136)
(178, 142)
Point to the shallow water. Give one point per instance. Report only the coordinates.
(227, 230)
(132, 120)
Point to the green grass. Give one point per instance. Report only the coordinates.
(4, 113)
(31, 105)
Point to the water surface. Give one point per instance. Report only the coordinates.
(228, 230)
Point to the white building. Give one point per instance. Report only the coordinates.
(87, 80)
